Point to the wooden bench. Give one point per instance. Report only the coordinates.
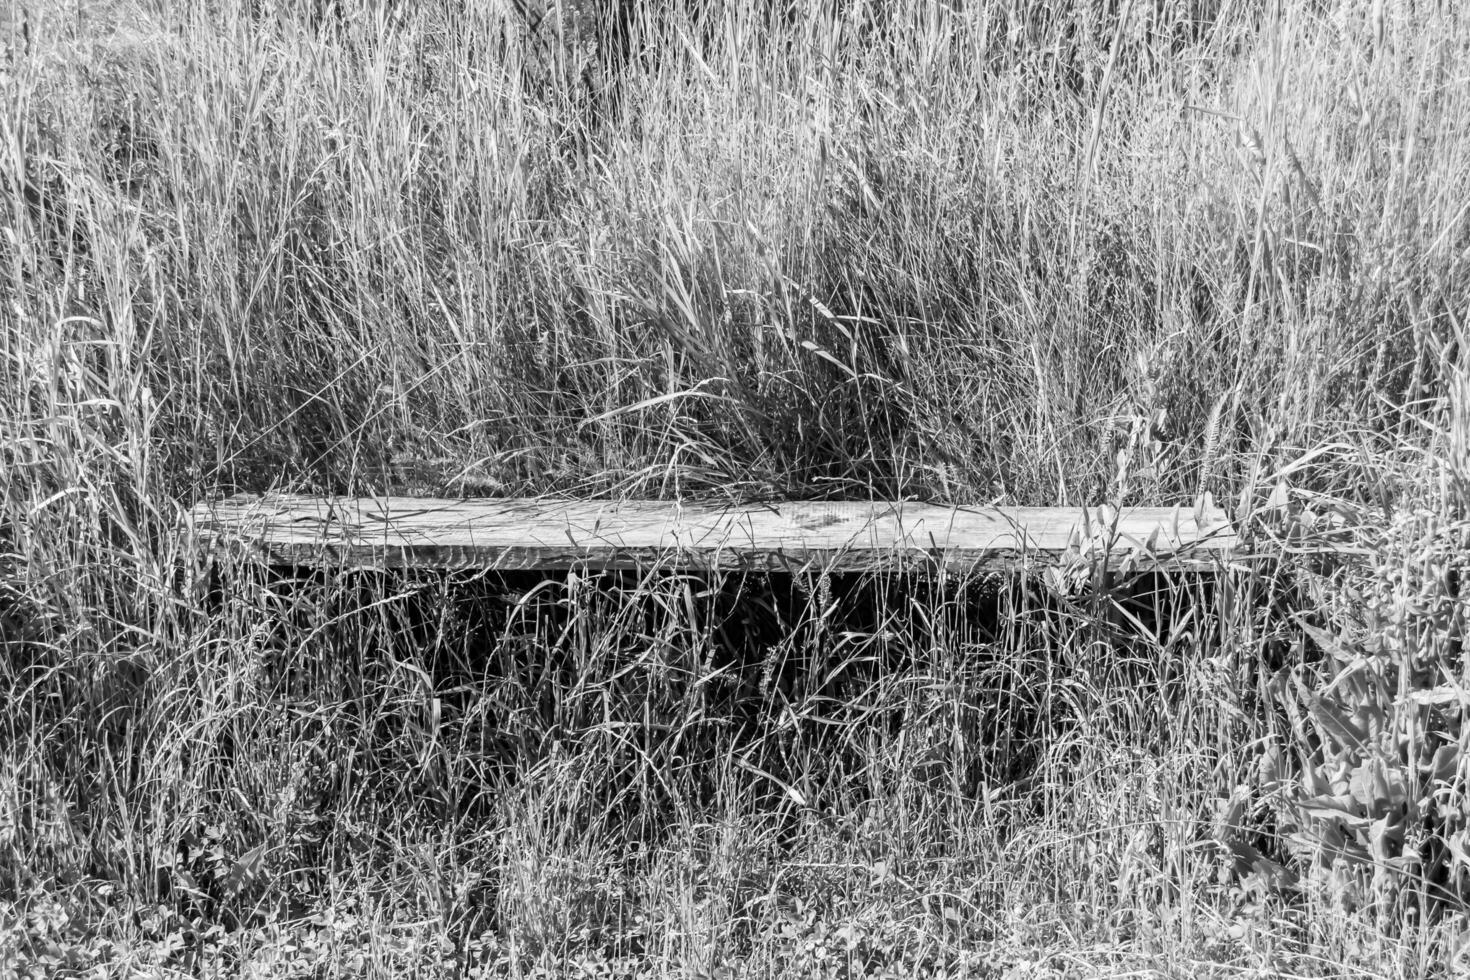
(840, 537)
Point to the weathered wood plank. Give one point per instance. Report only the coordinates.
(549, 534)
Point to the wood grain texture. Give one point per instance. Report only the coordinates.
(548, 534)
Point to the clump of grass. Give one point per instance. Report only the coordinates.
(818, 250)
(1364, 772)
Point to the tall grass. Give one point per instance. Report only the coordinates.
(1024, 253)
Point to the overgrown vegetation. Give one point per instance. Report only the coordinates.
(1023, 252)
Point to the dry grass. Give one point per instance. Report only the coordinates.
(1030, 253)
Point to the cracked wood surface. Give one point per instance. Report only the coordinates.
(551, 534)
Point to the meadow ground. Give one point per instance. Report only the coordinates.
(1024, 252)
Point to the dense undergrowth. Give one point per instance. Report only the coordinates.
(1025, 252)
